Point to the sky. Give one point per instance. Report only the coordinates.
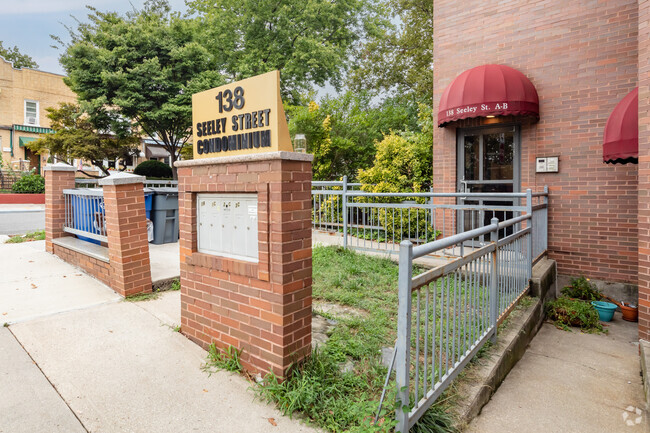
(28, 24)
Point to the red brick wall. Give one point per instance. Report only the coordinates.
(97, 268)
(262, 308)
(644, 170)
(128, 247)
(55, 183)
(582, 58)
(128, 271)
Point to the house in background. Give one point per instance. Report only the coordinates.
(24, 96)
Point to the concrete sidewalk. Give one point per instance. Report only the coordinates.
(34, 283)
(121, 369)
(571, 382)
(28, 402)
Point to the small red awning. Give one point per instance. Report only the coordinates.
(488, 90)
(621, 136)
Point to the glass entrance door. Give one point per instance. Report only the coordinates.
(488, 162)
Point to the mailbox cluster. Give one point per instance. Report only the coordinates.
(227, 225)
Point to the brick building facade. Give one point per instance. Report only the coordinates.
(25, 94)
(581, 56)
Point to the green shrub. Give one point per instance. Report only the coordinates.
(29, 184)
(565, 312)
(154, 169)
(581, 288)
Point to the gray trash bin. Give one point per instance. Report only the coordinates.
(164, 215)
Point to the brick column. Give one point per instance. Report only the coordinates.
(57, 178)
(261, 307)
(126, 226)
(644, 170)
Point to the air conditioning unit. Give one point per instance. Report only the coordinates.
(31, 120)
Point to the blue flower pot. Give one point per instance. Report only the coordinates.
(605, 310)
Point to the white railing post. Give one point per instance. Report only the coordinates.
(494, 292)
(403, 346)
(529, 252)
(345, 211)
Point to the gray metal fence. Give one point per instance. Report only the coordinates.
(448, 313)
(147, 183)
(378, 222)
(84, 213)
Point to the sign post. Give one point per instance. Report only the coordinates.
(245, 228)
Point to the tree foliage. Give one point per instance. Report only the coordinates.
(308, 40)
(140, 70)
(75, 136)
(18, 59)
(341, 132)
(403, 162)
(399, 57)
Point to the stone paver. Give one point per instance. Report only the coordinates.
(28, 403)
(34, 283)
(571, 382)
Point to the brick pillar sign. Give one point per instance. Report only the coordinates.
(255, 296)
(126, 227)
(644, 170)
(57, 178)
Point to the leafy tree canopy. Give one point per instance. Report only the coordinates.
(403, 162)
(399, 58)
(341, 132)
(76, 137)
(140, 70)
(14, 55)
(310, 41)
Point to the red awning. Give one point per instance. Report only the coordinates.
(621, 136)
(488, 90)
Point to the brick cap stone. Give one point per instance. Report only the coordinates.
(121, 179)
(267, 156)
(59, 166)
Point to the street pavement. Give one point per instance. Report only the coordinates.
(21, 218)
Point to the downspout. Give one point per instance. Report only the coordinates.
(11, 141)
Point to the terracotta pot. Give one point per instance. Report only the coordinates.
(631, 314)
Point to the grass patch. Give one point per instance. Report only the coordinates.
(29, 237)
(341, 401)
(222, 359)
(175, 286)
(143, 297)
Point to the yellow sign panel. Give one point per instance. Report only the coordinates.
(240, 118)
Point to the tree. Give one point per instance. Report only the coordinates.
(341, 131)
(76, 137)
(140, 71)
(399, 58)
(308, 40)
(19, 60)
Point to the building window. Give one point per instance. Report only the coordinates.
(31, 113)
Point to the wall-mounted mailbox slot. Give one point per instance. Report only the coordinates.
(227, 225)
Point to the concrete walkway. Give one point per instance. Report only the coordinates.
(34, 283)
(77, 358)
(571, 382)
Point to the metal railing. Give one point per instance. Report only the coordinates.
(84, 213)
(378, 222)
(8, 178)
(147, 183)
(446, 314)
